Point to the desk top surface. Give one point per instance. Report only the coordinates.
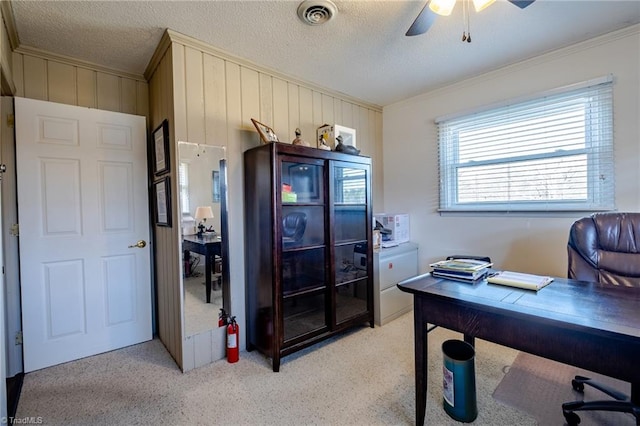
(574, 303)
(205, 239)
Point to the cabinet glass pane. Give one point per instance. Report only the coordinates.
(302, 270)
(350, 223)
(304, 314)
(302, 226)
(350, 185)
(302, 183)
(350, 262)
(351, 300)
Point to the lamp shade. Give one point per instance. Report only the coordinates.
(204, 213)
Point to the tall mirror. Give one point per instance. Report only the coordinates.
(204, 232)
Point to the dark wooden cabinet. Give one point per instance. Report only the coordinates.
(309, 260)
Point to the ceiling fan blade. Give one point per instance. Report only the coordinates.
(522, 3)
(423, 21)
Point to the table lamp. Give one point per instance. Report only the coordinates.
(202, 214)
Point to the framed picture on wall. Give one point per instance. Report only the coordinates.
(161, 149)
(162, 195)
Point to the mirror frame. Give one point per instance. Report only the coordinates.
(224, 231)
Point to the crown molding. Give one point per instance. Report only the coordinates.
(32, 51)
(158, 54)
(171, 36)
(9, 22)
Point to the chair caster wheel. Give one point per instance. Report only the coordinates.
(572, 418)
(577, 386)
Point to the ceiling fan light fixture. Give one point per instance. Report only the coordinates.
(442, 7)
(482, 4)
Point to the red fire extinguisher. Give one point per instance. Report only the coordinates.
(233, 333)
(223, 318)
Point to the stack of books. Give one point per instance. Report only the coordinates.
(288, 196)
(468, 270)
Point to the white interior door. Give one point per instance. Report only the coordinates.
(82, 204)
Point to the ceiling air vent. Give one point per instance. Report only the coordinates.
(316, 12)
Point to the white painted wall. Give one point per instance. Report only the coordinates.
(529, 244)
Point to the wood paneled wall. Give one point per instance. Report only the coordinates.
(167, 244)
(214, 97)
(45, 76)
(40, 75)
(208, 97)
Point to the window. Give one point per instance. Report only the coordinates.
(551, 153)
(183, 171)
(350, 185)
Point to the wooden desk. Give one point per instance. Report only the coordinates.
(209, 247)
(583, 324)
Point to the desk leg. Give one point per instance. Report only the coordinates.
(635, 393)
(420, 333)
(470, 340)
(207, 280)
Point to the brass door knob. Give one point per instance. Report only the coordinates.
(139, 244)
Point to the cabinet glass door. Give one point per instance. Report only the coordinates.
(303, 270)
(350, 233)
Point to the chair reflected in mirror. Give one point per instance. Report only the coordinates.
(294, 225)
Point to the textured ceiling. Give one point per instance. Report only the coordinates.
(362, 52)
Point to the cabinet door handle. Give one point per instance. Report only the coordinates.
(390, 265)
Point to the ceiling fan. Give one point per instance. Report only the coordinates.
(433, 8)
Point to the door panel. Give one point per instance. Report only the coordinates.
(61, 210)
(82, 204)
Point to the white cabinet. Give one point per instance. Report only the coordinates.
(390, 266)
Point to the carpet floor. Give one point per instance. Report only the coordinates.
(199, 315)
(363, 377)
(547, 384)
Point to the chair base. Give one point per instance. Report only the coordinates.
(621, 404)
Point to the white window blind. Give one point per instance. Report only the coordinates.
(551, 153)
(350, 185)
(183, 178)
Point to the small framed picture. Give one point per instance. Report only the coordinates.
(161, 149)
(267, 135)
(162, 195)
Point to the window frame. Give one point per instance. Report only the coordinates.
(598, 148)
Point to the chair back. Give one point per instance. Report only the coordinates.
(605, 248)
(293, 226)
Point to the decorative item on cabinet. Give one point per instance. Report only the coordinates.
(347, 149)
(322, 144)
(298, 140)
(267, 135)
(310, 275)
(329, 134)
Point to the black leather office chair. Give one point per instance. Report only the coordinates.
(605, 248)
(293, 226)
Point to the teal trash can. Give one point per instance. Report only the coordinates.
(459, 381)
